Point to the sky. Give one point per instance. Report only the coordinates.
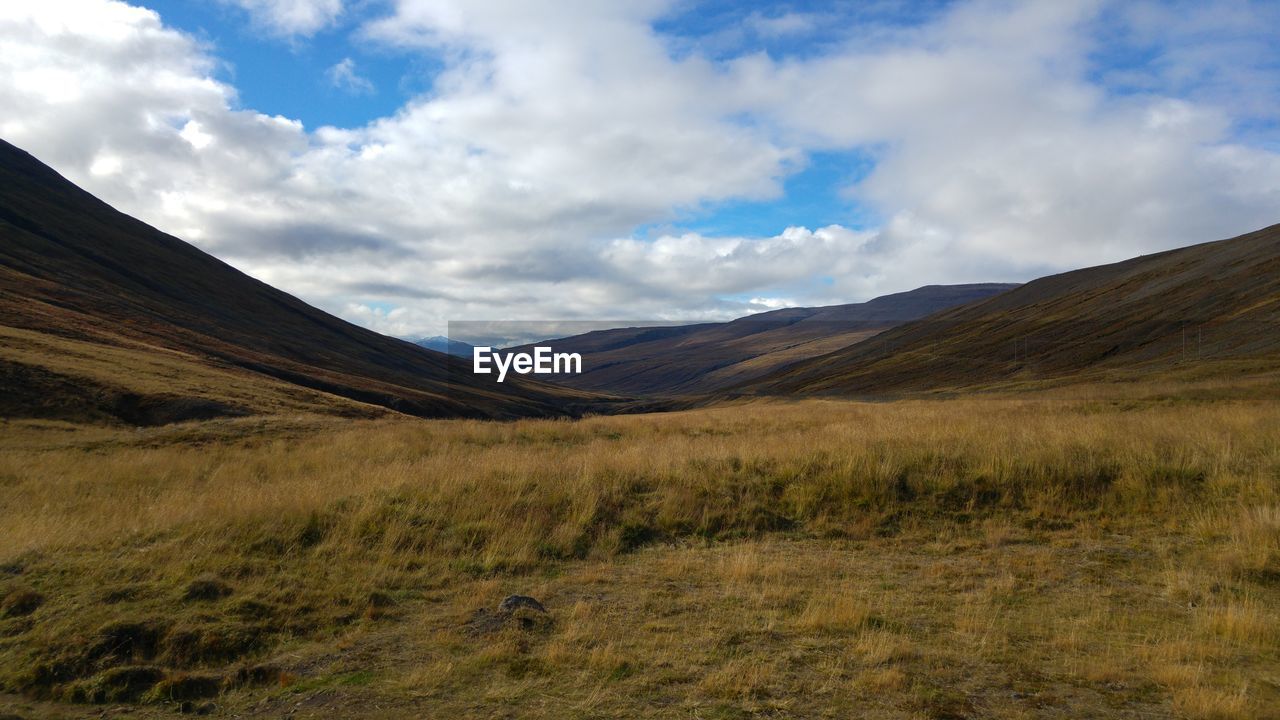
(408, 163)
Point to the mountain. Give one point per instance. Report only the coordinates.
(440, 343)
(103, 317)
(706, 357)
(1208, 310)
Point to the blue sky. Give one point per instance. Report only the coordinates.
(289, 75)
(406, 163)
(292, 76)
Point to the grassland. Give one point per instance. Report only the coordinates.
(1105, 551)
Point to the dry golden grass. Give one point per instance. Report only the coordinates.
(1095, 551)
(834, 612)
(883, 680)
(151, 370)
(1205, 703)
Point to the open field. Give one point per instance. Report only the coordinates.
(1096, 551)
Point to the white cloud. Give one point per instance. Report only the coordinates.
(512, 190)
(994, 137)
(194, 135)
(729, 265)
(790, 23)
(772, 303)
(343, 76)
(292, 17)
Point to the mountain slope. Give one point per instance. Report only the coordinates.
(1208, 309)
(706, 357)
(440, 343)
(76, 274)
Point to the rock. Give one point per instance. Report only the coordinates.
(511, 603)
(515, 611)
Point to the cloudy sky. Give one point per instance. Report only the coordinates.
(404, 163)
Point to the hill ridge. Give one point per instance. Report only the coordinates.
(1112, 319)
(71, 266)
(702, 358)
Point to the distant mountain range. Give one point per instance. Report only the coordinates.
(106, 319)
(103, 317)
(1208, 310)
(440, 343)
(708, 357)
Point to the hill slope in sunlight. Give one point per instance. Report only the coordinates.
(103, 316)
(702, 358)
(1211, 309)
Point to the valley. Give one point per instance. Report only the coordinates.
(1042, 500)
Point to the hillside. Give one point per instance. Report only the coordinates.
(440, 343)
(103, 317)
(707, 357)
(1206, 310)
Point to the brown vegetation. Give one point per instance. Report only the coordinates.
(1094, 551)
(1208, 310)
(707, 357)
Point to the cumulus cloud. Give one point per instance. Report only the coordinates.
(995, 137)
(514, 189)
(291, 17)
(729, 265)
(343, 76)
